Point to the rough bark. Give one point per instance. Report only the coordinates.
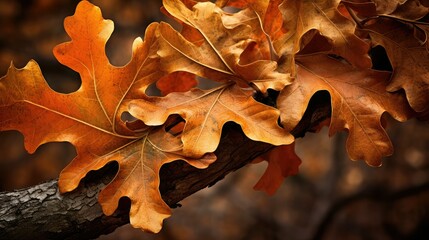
(40, 212)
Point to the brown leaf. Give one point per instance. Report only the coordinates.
(411, 10)
(176, 82)
(282, 162)
(90, 117)
(138, 177)
(205, 113)
(387, 7)
(358, 100)
(222, 55)
(259, 6)
(267, 10)
(300, 17)
(409, 57)
(363, 8)
(402, 9)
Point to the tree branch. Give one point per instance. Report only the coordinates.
(40, 212)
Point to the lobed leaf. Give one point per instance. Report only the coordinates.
(90, 117)
(138, 177)
(233, 47)
(176, 82)
(409, 57)
(43, 115)
(300, 17)
(205, 113)
(282, 162)
(261, 46)
(358, 98)
(108, 85)
(267, 10)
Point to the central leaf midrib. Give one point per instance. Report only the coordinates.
(195, 60)
(78, 120)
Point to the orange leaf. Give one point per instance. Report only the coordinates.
(90, 117)
(205, 113)
(267, 10)
(108, 85)
(282, 162)
(358, 97)
(176, 82)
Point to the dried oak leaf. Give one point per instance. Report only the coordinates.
(90, 117)
(206, 111)
(405, 9)
(233, 47)
(363, 8)
(400, 9)
(267, 10)
(300, 17)
(410, 10)
(176, 82)
(386, 7)
(282, 162)
(359, 98)
(138, 178)
(409, 57)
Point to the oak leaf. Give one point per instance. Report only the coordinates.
(400, 9)
(267, 10)
(363, 8)
(387, 7)
(206, 111)
(301, 17)
(406, 9)
(90, 117)
(282, 162)
(410, 10)
(176, 82)
(233, 47)
(359, 98)
(409, 57)
(138, 177)
(112, 85)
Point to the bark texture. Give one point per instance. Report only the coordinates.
(40, 212)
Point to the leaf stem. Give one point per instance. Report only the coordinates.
(353, 15)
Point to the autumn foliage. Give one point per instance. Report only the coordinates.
(293, 47)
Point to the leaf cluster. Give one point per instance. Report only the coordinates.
(248, 47)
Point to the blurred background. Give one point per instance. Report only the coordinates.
(331, 198)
